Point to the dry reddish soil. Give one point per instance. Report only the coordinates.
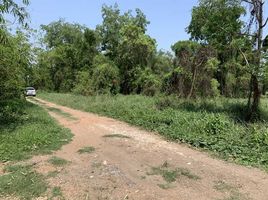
(122, 168)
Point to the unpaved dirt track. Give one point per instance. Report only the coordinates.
(120, 168)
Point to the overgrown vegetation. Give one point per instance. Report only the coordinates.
(222, 57)
(33, 132)
(218, 126)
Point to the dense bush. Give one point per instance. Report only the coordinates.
(147, 83)
(11, 110)
(83, 84)
(105, 79)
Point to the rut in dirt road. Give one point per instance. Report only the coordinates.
(109, 159)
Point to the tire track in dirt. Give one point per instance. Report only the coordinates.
(121, 167)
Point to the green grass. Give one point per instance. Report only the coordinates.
(86, 150)
(232, 192)
(171, 175)
(23, 182)
(216, 125)
(52, 174)
(56, 161)
(116, 136)
(56, 192)
(36, 100)
(35, 132)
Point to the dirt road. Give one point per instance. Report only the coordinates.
(129, 163)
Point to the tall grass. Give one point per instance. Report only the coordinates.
(214, 125)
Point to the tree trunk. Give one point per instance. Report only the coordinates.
(254, 106)
(254, 113)
(193, 83)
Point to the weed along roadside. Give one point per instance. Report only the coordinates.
(33, 133)
(215, 126)
(111, 158)
(144, 100)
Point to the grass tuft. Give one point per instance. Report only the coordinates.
(231, 191)
(171, 175)
(86, 150)
(52, 174)
(56, 161)
(116, 136)
(56, 192)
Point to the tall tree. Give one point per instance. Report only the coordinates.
(256, 33)
(193, 58)
(218, 23)
(70, 48)
(135, 51)
(12, 8)
(113, 22)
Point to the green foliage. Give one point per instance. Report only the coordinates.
(134, 54)
(215, 87)
(105, 79)
(171, 82)
(15, 59)
(162, 63)
(147, 83)
(218, 23)
(22, 182)
(70, 54)
(198, 64)
(214, 125)
(35, 132)
(11, 110)
(113, 22)
(83, 84)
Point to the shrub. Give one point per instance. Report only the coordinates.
(11, 110)
(147, 83)
(83, 84)
(105, 79)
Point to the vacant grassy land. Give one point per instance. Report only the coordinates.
(214, 125)
(33, 132)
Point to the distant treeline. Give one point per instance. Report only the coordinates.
(225, 56)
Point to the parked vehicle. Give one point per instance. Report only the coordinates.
(30, 91)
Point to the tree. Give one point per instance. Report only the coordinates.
(12, 8)
(15, 59)
(193, 59)
(257, 18)
(113, 22)
(218, 23)
(71, 48)
(135, 51)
